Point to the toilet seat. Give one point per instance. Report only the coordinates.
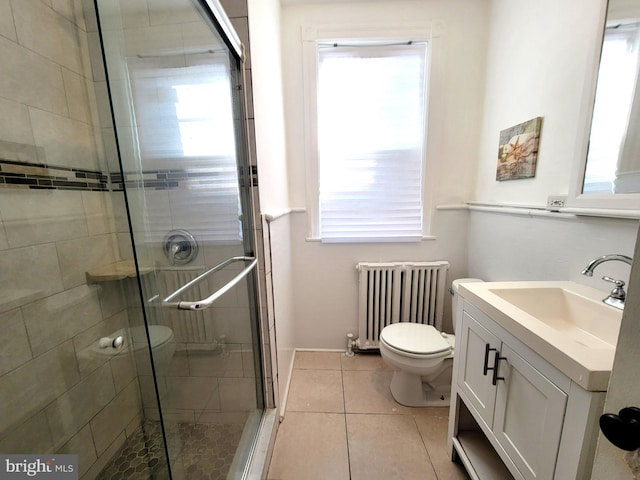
(415, 340)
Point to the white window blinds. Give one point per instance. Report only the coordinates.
(371, 141)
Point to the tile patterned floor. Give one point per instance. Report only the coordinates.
(207, 452)
(341, 422)
(142, 456)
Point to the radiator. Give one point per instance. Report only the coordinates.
(189, 326)
(399, 292)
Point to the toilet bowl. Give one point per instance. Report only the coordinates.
(163, 346)
(421, 358)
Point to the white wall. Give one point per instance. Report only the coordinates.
(515, 247)
(266, 66)
(324, 276)
(270, 150)
(538, 54)
(326, 281)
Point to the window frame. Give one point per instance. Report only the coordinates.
(312, 37)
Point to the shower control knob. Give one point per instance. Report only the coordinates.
(180, 247)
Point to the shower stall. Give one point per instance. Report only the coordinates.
(132, 287)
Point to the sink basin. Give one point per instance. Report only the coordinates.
(564, 322)
(587, 321)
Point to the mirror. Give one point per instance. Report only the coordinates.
(613, 156)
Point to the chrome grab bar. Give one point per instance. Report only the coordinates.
(207, 302)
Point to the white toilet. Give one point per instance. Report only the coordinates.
(421, 358)
(163, 346)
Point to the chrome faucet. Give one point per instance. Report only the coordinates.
(617, 296)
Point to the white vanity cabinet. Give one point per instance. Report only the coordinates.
(473, 354)
(530, 418)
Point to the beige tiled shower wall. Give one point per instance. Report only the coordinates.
(55, 115)
(56, 396)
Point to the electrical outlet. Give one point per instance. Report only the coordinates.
(554, 202)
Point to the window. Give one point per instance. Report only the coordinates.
(371, 109)
(368, 140)
(184, 127)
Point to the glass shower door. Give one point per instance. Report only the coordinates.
(177, 100)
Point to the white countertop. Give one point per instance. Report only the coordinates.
(585, 356)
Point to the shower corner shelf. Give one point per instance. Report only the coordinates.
(116, 271)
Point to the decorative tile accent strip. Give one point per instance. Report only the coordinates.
(173, 179)
(15, 174)
(39, 176)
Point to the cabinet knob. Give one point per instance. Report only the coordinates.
(623, 429)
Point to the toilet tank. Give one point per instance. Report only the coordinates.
(455, 298)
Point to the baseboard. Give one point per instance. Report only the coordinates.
(334, 350)
(283, 406)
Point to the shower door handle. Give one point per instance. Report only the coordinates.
(207, 302)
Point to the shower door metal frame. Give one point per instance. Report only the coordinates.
(224, 26)
(214, 13)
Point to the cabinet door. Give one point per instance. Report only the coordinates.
(473, 356)
(529, 412)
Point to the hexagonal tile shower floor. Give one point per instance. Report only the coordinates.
(142, 456)
(206, 452)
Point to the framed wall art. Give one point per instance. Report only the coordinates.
(518, 150)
